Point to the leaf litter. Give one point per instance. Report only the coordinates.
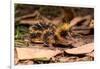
(53, 34)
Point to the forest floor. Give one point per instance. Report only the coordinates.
(53, 34)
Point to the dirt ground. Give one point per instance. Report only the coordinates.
(53, 34)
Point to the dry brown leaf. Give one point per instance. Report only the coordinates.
(16, 60)
(76, 20)
(15, 57)
(27, 16)
(25, 62)
(84, 49)
(90, 54)
(30, 22)
(64, 59)
(91, 25)
(28, 62)
(35, 53)
(68, 59)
